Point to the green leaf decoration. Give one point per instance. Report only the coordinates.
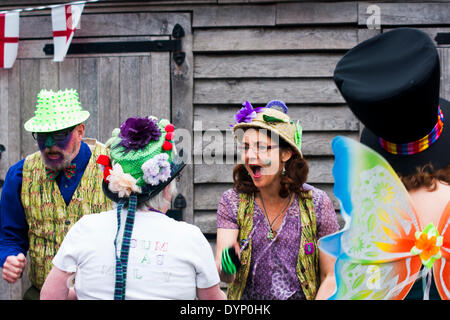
(361, 295)
(298, 135)
(267, 118)
(358, 281)
(372, 254)
(371, 223)
(351, 267)
(343, 289)
(380, 294)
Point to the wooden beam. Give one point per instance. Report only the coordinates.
(312, 118)
(407, 13)
(263, 65)
(314, 143)
(236, 91)
(267, 39)
(317, 13)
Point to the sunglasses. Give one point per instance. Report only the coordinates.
(58, 136)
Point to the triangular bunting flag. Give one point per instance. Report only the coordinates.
(64, 20)
(9, 38)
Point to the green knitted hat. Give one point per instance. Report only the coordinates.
(56, 111)
(139, 140)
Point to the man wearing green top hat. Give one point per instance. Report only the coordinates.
(45, 193)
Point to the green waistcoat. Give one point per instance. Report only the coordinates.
(307, 264)
(48, 217)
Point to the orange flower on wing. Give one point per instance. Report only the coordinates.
(427, 245)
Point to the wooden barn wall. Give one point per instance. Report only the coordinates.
(264, 50)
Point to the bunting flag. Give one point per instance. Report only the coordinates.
(64, 21)
(9, 38)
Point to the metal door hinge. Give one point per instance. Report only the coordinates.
(173, 46)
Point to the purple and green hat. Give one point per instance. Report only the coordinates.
(142, 152)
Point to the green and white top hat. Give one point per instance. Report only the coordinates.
(56, 111)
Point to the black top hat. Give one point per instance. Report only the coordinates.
(391, 83)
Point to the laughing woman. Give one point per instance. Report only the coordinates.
(269, 222)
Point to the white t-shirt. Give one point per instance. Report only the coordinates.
(168, 259)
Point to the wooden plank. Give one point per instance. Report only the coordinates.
(109, 3)
(235, 91)
(265, 39)
(108, 104)
(212, 144)
(160, 91)
(89, 94)
(312, 118)
(276, 65)
(316, 13)
(145, 84)
(207, 196)
(319, 172)
(406, 13)
(29, 89)
(49, 75)
(206, 221)
(182, 81)
(365, 34)
(129, 92)
(101, 24)
(5, 128)
(233, 16)
(14, 113)
(444, 54)
(69, 74)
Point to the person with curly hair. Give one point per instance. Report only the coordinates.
(269, 222)
(405, 119)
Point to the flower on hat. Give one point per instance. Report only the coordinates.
(156, 169)
(136, 133)
(247, 113)
(122, 183)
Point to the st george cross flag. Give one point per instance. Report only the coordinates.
(64, 20)
(9, 38)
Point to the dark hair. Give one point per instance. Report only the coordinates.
(297, 170)
(426, 177)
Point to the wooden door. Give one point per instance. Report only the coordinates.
(112, 87)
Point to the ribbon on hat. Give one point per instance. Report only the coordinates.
(105, 161)
(69, 172)
(416, 146)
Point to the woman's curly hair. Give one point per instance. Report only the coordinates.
(426, 177)
(292, 181)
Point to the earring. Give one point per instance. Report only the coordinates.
(283, 172)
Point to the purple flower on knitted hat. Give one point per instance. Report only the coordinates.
(136, 133)
(247, 113)
(156, 169)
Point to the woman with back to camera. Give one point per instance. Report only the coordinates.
(135, 251)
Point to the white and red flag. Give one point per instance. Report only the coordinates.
(9, 38)
(64, 20)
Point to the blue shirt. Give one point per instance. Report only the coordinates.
(13, 224)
